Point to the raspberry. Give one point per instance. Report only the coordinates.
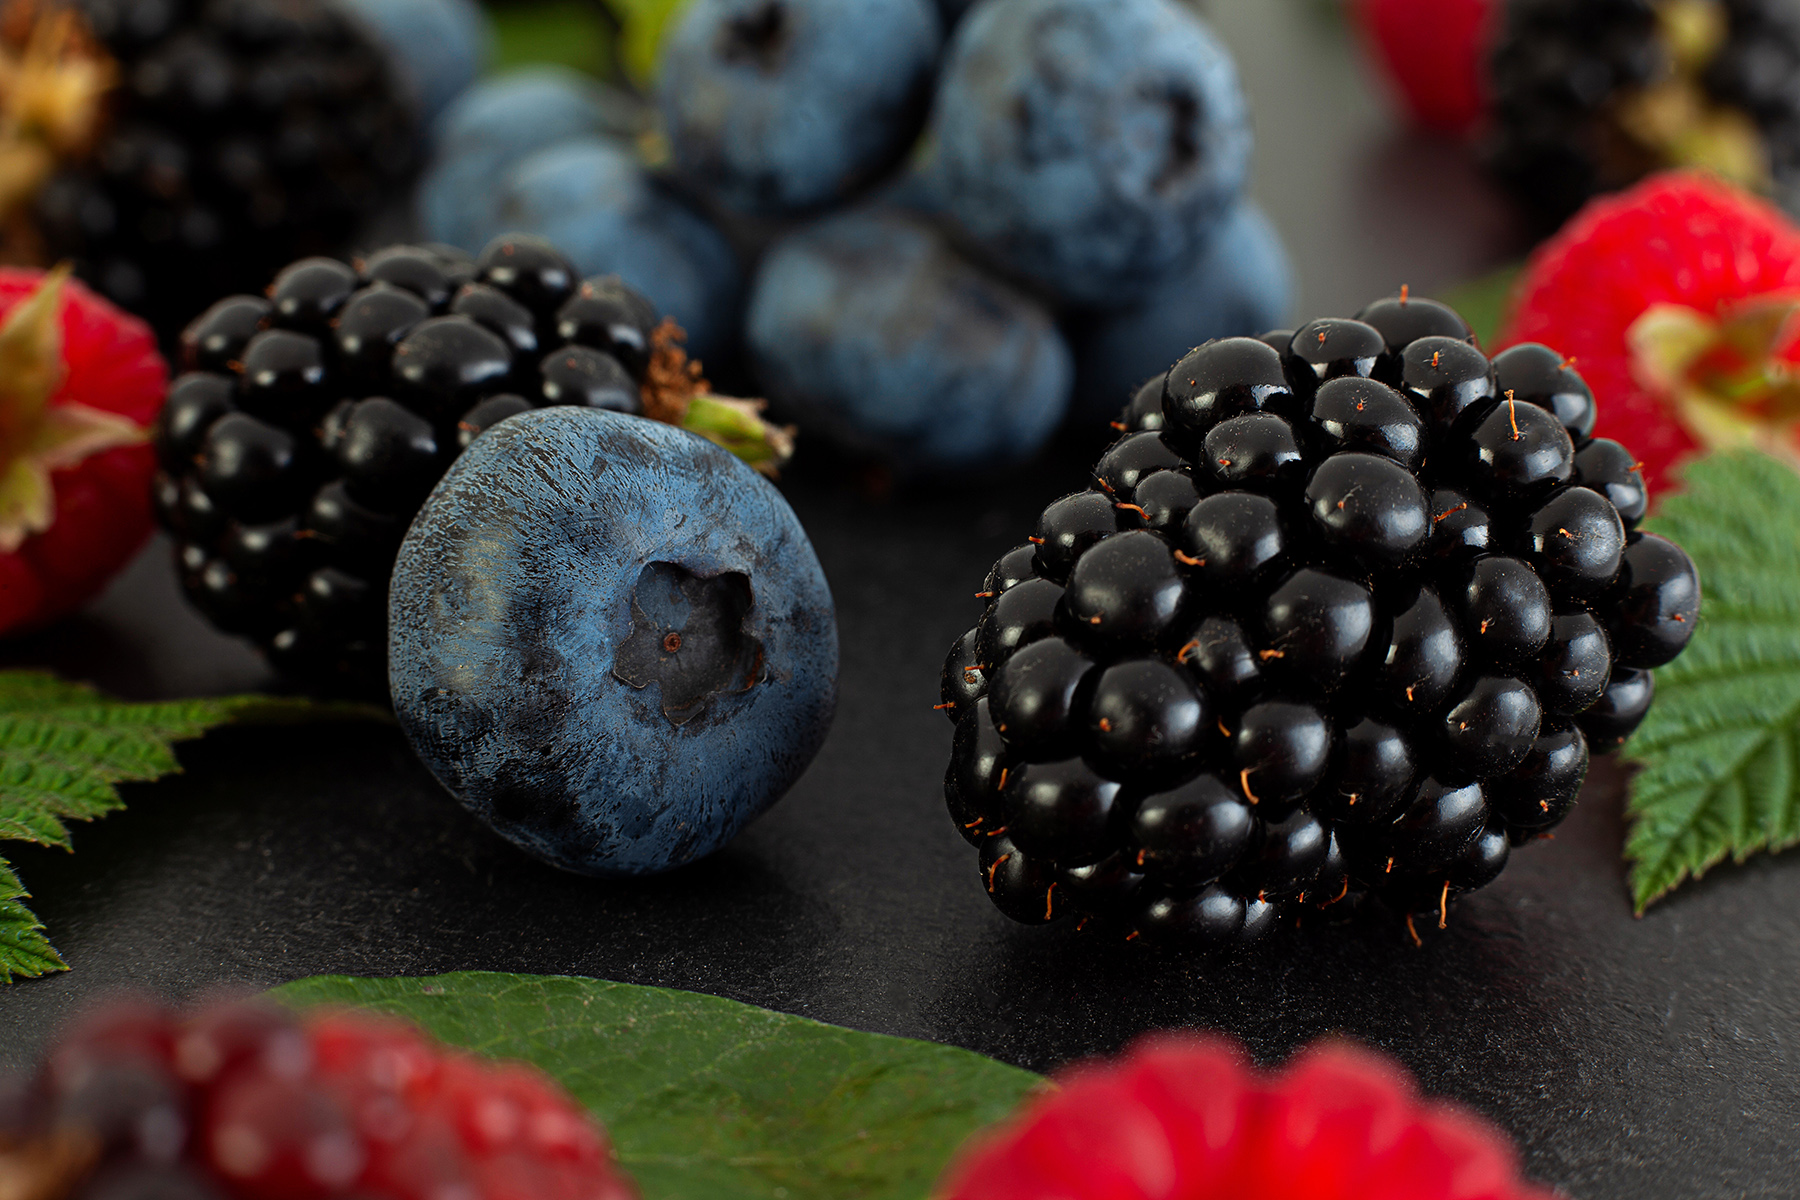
(1435, 53)
(1349, 610)
(1189, 1117)
(176, 151)
(248, 1101)
(1624, 289)
(311, 424)
(1591, 95)
(84, 380)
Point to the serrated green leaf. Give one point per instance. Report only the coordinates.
(1720, 751)
(63, 748)
(709, 1099)
(24, 950)
(1482, 302)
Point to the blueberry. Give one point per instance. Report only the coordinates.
(592, 198)
(438, 47)
(781, 105)
(490, 127)
(1090, 145)
(526, 109)
(610, 640)
(1242, 283)
(871, 328)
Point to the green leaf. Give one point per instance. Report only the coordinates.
(1483, 302)
(646, 23)
(709, 1099)
(63, 748)
(567, 33)
(1720, 750)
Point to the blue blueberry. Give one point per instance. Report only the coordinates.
(611, 640)
(593, 200)
(952, 11)
(781, 105)
(869, 328)
(1088, 144)
(492, 126)
(439, 46)
(1243, 284)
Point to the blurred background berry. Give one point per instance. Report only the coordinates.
(931, 233)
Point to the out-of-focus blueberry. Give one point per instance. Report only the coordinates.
(492, 126)
(593, 200)
(1243, 284)
(781, 105)
(1089, 144)
(439, 46)
(868, 327)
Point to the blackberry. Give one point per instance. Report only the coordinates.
(1346, 612)
(1590, 95)
(183, 149)
(310, 426)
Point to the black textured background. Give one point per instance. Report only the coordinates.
(1631, 1058)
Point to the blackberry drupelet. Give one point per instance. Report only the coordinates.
(311, 424)
(1590, 95)
(182, 149)
(1345, 612)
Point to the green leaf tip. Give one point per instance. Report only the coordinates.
(1719, 753)
(64, 748)
(707, 1098)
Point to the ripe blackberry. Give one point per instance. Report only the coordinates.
(1350, 610)
(1590, 95)
(253, 1102)
(312, 422)
(182, 149)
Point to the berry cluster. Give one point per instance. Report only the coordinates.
(1590, 95)
(175, 150)
(1347, 606)
(246, 1101)
(1189, 1117)
(311, 424)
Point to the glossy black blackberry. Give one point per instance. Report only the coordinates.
(1590, 95)
(310, 427)
(238, 136)
(1348, 615)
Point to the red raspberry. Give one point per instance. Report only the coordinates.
(1187, 1118)
(1676, 299)
(1435, 53)
(74, 463)
(270, 1106)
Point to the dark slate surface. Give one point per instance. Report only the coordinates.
(1632, 1058)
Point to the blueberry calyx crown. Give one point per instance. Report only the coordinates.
(1342, 614)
